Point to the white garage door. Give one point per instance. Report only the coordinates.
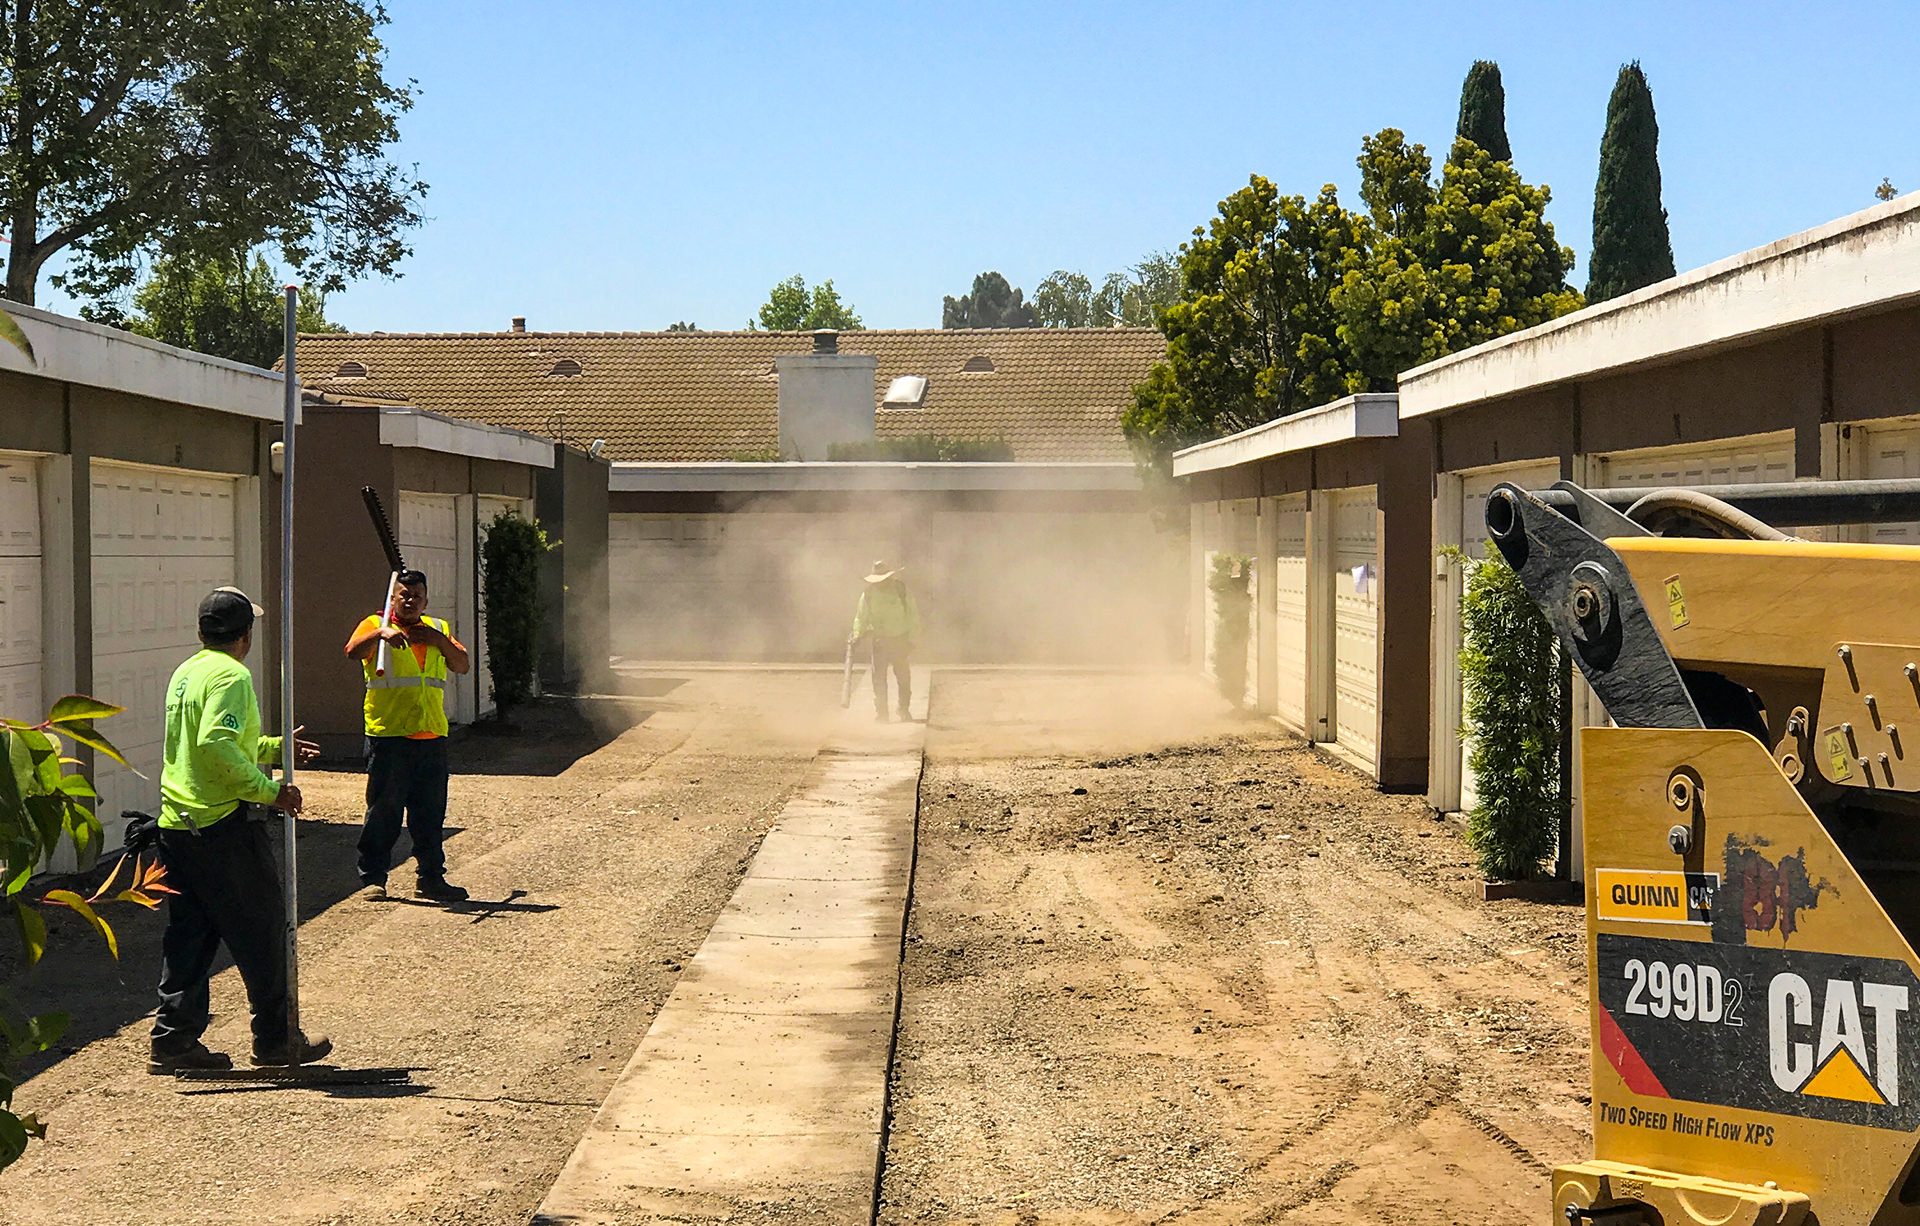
(162, 539)
(1290, 611)
(20, 583)
(1881, 453)
(1743, 461)
(1473, 542)
(1356, 622)
(429, 531)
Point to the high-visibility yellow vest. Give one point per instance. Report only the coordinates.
(411, 699)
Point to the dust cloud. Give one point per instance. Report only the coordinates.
(775, 580)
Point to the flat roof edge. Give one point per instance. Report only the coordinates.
(407, 426)
(1865, 259)
(868, 476)
(1361, 416)
(82, 352)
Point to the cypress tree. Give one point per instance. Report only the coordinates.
(1483, 110)
(1631, 247)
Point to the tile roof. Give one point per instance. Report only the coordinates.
(1055, 394)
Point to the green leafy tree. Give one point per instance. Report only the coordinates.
(1631, 246)
(993, 304)
(1132, 298)
(1886, 190)
(681, 325)
(144, 128)
(1482, 260)
(1135, 298)
(231, 308)
(1510, 675)
(43, 805)
(1483, 110)
(1254, 335)
(1064, 300)
(791, 307)
(511, 553)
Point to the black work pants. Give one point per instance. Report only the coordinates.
(891, 652)
(406, 779)
(229, 885)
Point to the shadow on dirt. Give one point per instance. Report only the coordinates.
(546, 737)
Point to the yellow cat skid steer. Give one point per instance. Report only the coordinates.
(1752, 847)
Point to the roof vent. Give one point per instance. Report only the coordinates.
(978, 364)
(519, 323)
(906, 392)
(826, 340)
(350, 370)
(565, 368)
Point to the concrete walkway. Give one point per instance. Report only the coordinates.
(760, 1091)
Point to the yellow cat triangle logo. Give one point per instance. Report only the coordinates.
(1841, 1078)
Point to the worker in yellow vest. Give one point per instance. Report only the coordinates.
(406, 720)
(887, 616)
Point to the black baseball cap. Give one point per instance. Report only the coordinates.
(226, 613)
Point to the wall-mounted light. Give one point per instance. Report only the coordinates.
(277, 459)
(599, 445)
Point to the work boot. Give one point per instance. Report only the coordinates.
(194, 1058)
(905, 716)
(439, 889)
(296, 1049)
(373, 891)
(880, 716)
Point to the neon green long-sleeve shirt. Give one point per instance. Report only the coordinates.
(214, 748)
(885, 609)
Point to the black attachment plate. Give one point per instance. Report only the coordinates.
(1563, 566)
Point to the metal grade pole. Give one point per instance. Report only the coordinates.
(291, 884)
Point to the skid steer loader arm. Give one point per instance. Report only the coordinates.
(1752, 852)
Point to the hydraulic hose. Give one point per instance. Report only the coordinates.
(1663, 510)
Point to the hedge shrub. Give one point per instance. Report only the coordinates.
(510, 555)
(1511, 677)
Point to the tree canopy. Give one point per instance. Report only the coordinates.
(1481, 262)
(1483, 110)
(231, 308)
(791, 307)
(992, 304)
(1124, 299)
(1631, 246)
(133, 130)
(1287, 303)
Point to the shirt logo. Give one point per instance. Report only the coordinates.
(229, 721)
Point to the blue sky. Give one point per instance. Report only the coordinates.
(616, 166)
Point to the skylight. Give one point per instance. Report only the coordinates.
(906, 392)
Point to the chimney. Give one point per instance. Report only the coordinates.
(519, 323)
(826, 397)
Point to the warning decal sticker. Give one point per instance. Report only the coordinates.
(1822, 1036)
(1676, 602)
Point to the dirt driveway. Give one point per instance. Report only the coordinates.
(1224, 982)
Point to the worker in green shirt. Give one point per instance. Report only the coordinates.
(213, 839)
(887, 616)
